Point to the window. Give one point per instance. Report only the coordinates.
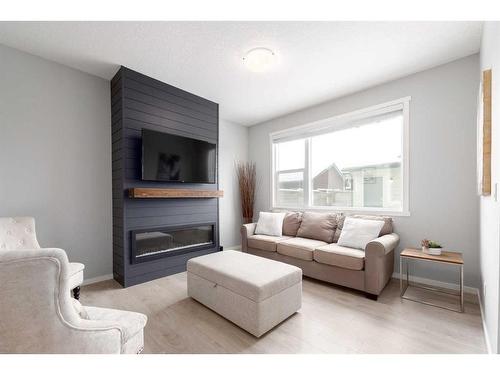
(290, 168)
(353, 162)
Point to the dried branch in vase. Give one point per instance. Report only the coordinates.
(247, 180)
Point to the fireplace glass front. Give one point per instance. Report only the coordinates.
(159, 242)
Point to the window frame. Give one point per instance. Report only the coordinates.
(335, 123)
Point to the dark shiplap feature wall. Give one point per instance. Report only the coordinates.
(138, 102)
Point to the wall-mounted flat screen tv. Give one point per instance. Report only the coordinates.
(173, 158)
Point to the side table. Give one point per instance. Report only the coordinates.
(447, 258)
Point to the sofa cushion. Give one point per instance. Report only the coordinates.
(356, 233)
(265, 242)
(291, 223)
(386, 229)
(298, 247)
(318, 226)
(270, 223)
(340, 256)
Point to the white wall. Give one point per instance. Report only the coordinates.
(489, 207)
(233, 147)
(55, 155)
(443, 198)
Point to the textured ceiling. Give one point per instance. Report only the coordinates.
(317, 61)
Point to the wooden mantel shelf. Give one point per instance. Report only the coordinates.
(173, 193)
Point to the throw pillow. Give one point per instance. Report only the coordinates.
(340, 223)
(356, 233)
(270, 223)
(386, 229)
(291, 223)
(318, 226)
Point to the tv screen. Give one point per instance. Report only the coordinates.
(172, 158)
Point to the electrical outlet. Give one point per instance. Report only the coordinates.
(484, 290)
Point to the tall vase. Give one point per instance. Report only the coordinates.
(247, 176)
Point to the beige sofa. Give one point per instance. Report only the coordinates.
(309, 241)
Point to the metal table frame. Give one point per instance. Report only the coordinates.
(403, 287)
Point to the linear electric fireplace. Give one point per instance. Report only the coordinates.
(155, 243)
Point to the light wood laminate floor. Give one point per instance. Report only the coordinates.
(332, 320)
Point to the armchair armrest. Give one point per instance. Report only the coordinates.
(92, 336)
(382, 245)
(246, 230)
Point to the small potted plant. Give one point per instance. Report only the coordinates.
(431, 247)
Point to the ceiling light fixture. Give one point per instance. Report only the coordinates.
(259, 59)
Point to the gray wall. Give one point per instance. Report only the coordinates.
(55, 155)
(55, 158)
(489, 207)
(233, 147)
(443, 199)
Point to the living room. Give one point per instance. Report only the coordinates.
(249, 186)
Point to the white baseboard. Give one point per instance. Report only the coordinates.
(238, 248)
(485, 330)
(439, 284)
(467, 289)
(97, 279)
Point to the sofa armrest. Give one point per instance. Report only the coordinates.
(246, 230)
(379, 262)
(382, 245)
(249, 228)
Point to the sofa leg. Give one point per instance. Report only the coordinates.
(76, 293)
(373, 297)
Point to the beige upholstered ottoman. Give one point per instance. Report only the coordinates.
(252, 292)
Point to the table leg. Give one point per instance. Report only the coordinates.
(462, 288)
(400, 275)
(403, 287)
(407, 273)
